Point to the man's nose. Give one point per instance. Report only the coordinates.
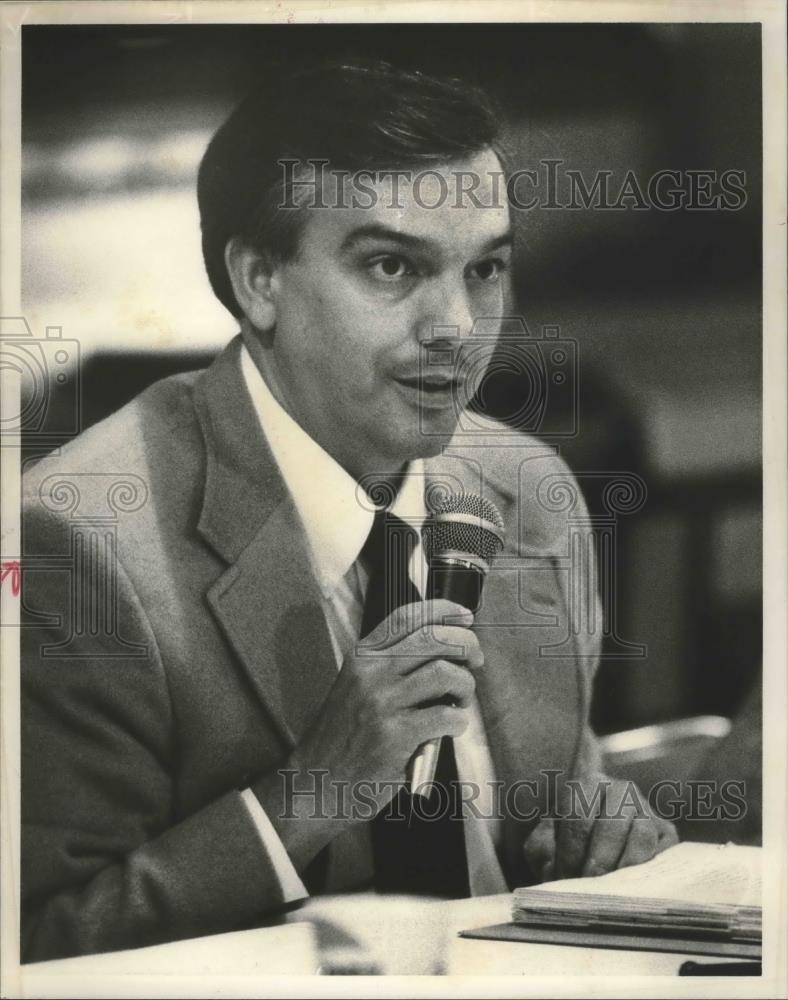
(447, 317)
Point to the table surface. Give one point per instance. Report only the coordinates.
(352, 934)
(401, 935)
(395, 935)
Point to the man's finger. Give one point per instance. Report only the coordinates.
(440, 720)
(572, 834)
(436, 680)
(606, 844)
(408, 618)
(667, 835)
(539, 850)
(446, 642)
(573, 829)
(641, 844)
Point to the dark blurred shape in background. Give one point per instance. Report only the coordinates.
(664, 307)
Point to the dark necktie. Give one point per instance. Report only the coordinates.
(418, 847)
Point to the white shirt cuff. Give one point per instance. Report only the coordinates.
(289, 881)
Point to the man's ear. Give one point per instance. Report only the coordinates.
(254, 284)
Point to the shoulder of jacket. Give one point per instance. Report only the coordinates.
(121, 446)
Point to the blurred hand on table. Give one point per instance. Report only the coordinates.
(617, 831)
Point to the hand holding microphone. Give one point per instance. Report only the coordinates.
(409, 679)
(461, 537)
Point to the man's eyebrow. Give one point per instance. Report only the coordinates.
(377, 231)
(411, 241)
(504, 240)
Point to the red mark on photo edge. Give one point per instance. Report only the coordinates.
(12, 568)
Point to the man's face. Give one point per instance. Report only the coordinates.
(359, 305)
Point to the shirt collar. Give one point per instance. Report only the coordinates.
(335, 512)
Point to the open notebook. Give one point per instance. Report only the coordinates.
(693, 898)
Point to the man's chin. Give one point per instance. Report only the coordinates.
(432, 436)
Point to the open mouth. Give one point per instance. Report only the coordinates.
(431, 385)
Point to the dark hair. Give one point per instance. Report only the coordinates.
(356, 116)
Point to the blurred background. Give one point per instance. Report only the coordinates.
(665, 307)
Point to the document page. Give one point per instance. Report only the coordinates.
(691, 872)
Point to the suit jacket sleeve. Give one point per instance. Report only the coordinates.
(105, 862)
(586, 626)
(588, 763)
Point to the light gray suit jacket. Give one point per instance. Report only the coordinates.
(175, 649)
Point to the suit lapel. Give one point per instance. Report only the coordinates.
(266, 601)
(269, 609)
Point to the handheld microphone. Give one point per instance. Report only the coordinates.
(461, 536)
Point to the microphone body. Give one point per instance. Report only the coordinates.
(459, 581)
(456, 579)
(461, 537)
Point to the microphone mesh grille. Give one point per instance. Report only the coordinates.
(442, 534)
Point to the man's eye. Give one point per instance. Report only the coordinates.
(490, 270)
(390, 268)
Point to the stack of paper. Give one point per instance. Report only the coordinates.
(700, 899)
(693, 872)
(636, 914)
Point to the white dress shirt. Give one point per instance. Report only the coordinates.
(337, 518)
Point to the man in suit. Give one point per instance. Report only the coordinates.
(204, 689)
